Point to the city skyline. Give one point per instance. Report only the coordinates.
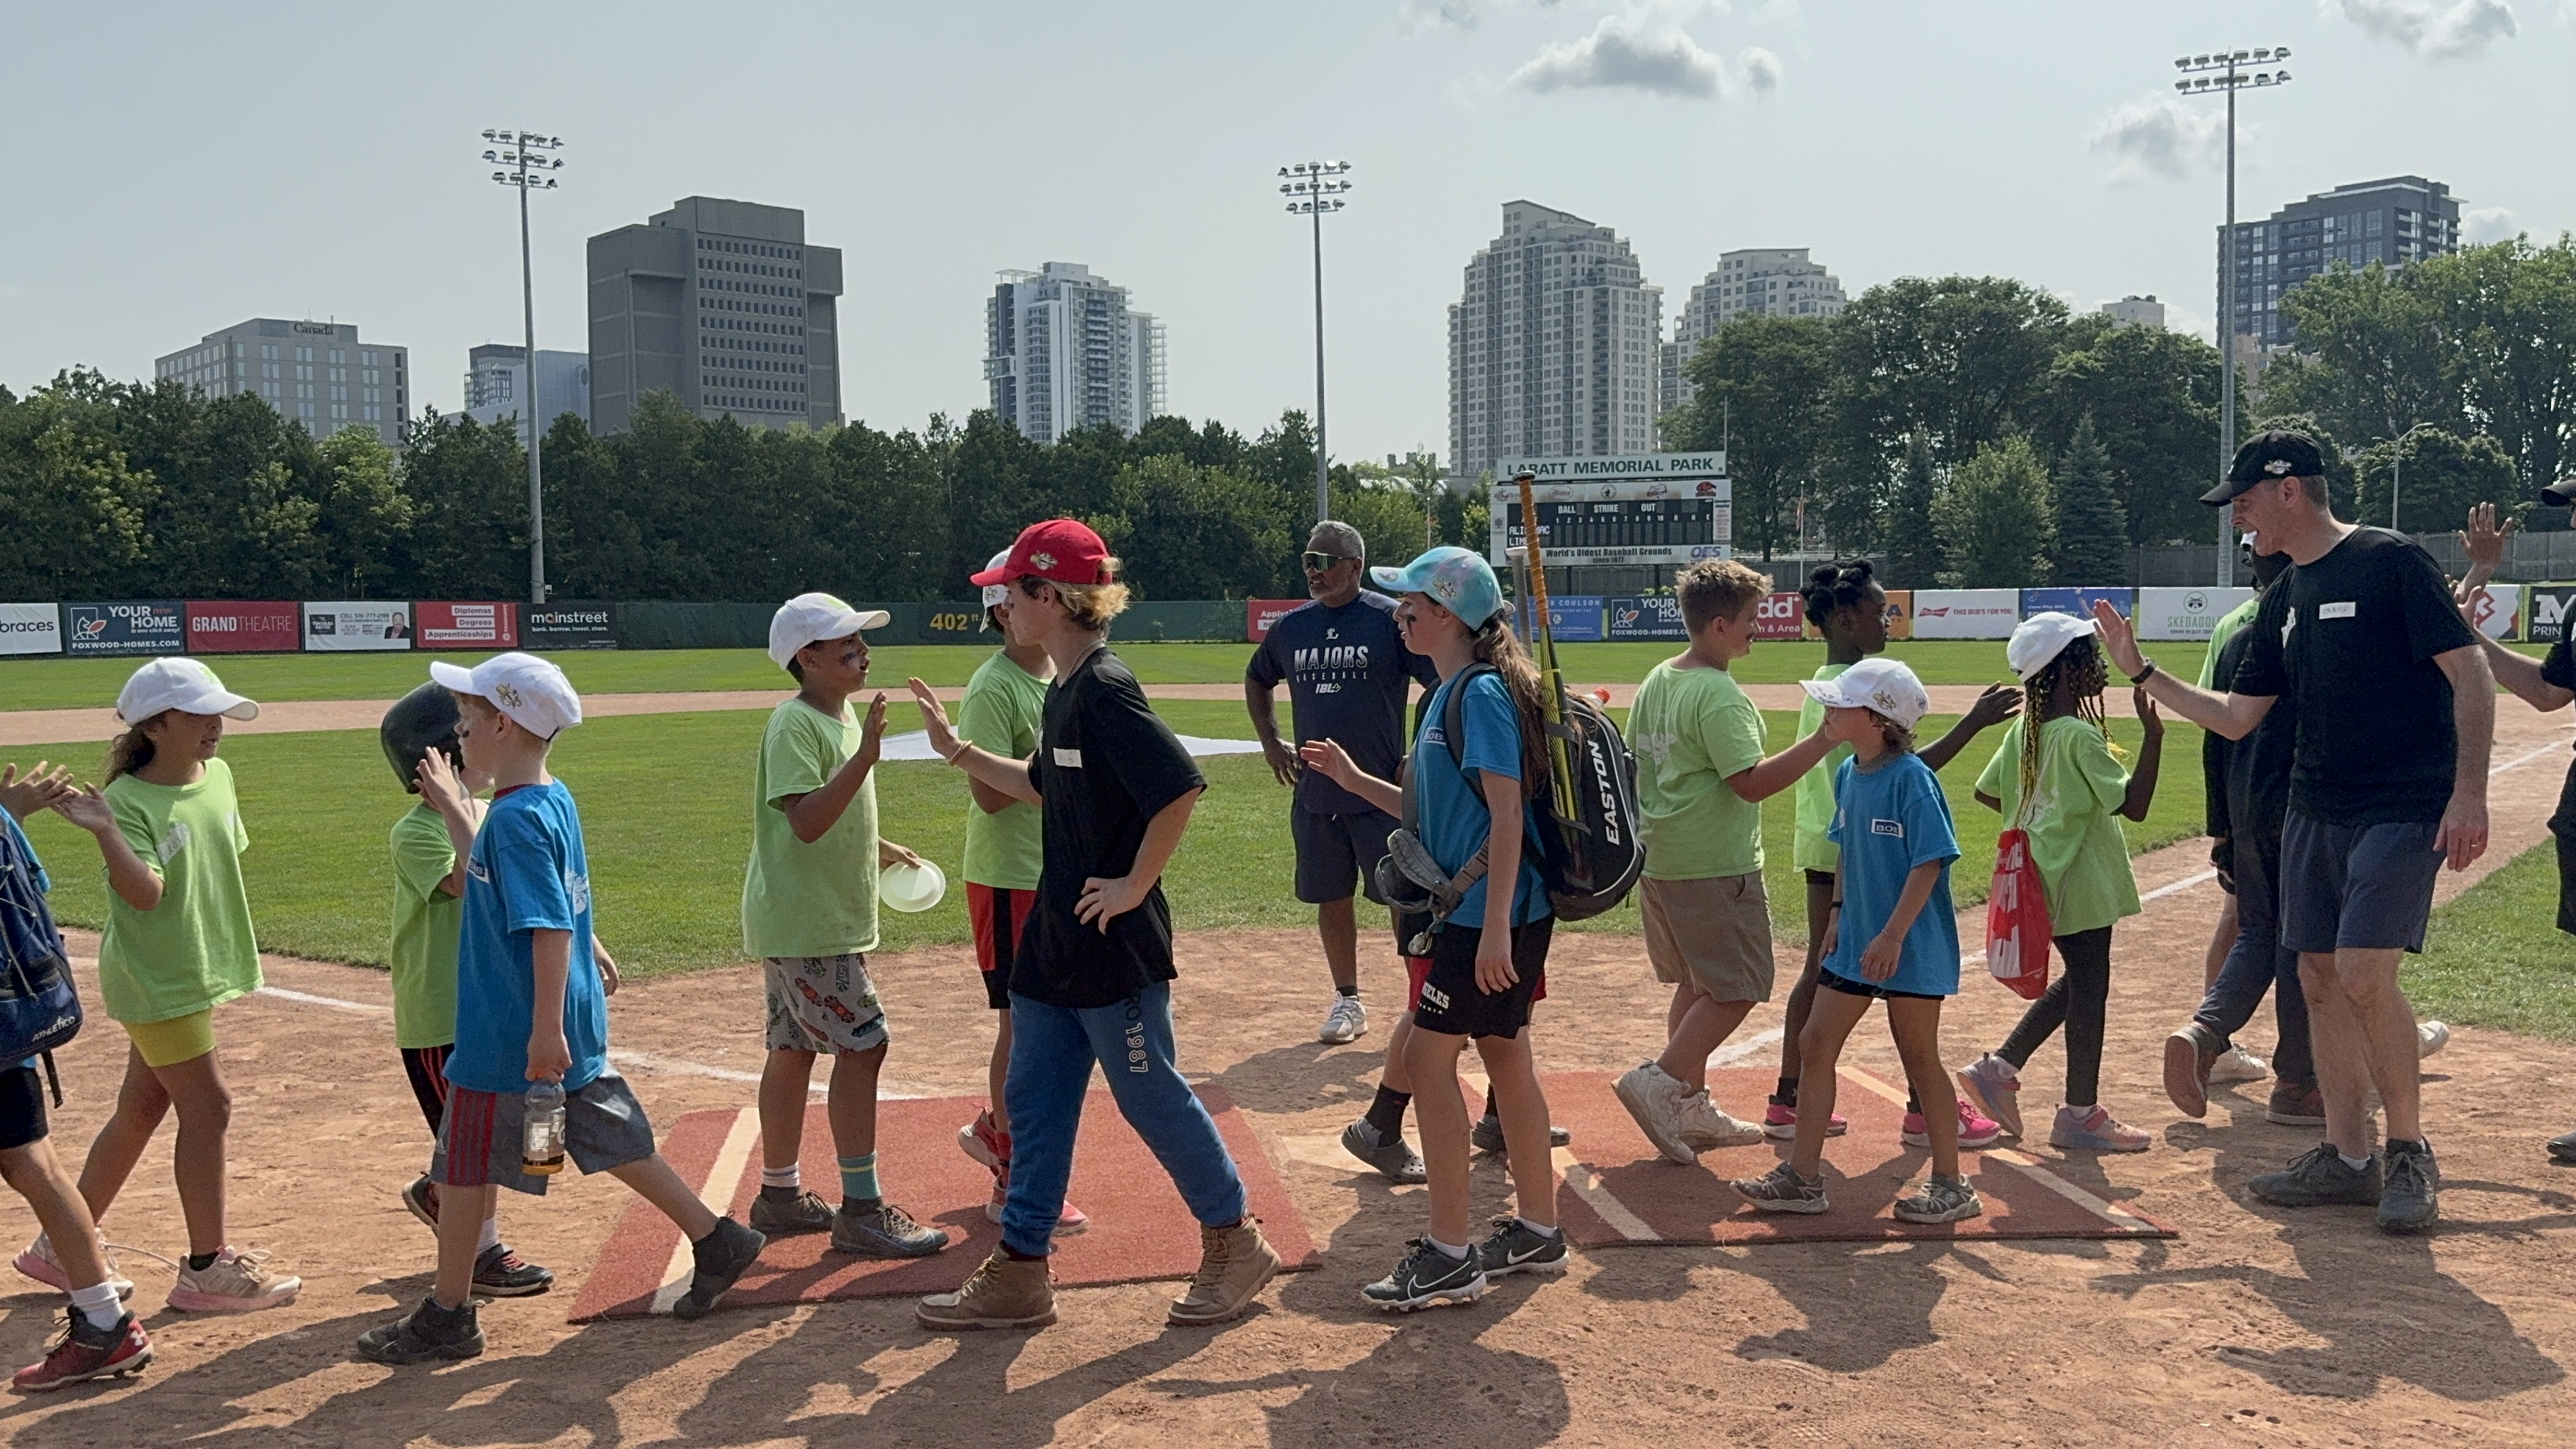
(2085, 180)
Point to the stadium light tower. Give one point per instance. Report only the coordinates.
(2224, 72)
(527, 155)
(1314, 188)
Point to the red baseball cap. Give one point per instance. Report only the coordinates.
(1060, 550)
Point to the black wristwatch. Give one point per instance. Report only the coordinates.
(2146, 671)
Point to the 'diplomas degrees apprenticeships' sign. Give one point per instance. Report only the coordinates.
(1640, 508)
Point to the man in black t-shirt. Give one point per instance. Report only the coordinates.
(1090, 981)
(1348, 674)
(2396, 718)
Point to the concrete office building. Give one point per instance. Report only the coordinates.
(1554, 346)
(496, 376)
(2143, 311)
(1755, 282)
(2392, 222)
(1063, 352)
(315, 373)
(723, 305)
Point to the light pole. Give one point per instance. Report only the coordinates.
(2397, 470)
(1314, 188)
(525, 154)
(2224, 72)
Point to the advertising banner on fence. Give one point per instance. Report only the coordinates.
(1260, 614)
(465, 626)
(1966, 613)
(1654, 617)
(2499, 611)
(568, 624)
(1778, 616)
(31, 629)
(2078, 602)
(235, 628)
(138, 626)
(357, 624)
(2546, 612)
(2185, 613)
(1900, 617)
(1573, 618)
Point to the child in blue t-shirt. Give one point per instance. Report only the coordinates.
(1893, 936)
(526, 1012)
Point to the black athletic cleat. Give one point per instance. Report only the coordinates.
(1513, 1248)
(2562, 1148)
(2319, 1178)
(721, 1258)
(1427, 1276)
(427, 1332)
(500, 1273)
(2411, 1200)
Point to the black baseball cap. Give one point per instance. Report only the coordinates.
(2560, 493)
(2279, 453)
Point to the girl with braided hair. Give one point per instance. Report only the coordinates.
(2058, 776)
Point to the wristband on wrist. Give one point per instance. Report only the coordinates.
(2146, 671)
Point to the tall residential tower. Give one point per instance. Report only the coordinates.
(1554, 347)
(1756, 282)
(496, 379)
(2392, 222)
(1062, 352)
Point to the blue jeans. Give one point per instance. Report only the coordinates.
(1052, 1052)
(2256, 963)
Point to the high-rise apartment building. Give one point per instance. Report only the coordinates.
(1554, 346)
(1755, 282)
(496, 379)
(1063, 352)
(315, 373)
(722, 304)
(2392, 222)
(2134, 311)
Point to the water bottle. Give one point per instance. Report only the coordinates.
(541, 1142)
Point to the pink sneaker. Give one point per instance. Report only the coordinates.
(1993, 1085)
(1975, 1129)
(981, 1140)
(1070, 1221)
(1782, 1122)
(2093, 1129)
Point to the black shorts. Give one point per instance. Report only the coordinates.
(1836, 982)
(2567, 883)
(427, 1069)
(2355, 887)
(1820, 878)
(1450, 1002)
(1331, 849)
(22, 1107)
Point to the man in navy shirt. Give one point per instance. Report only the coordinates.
(1348, 674)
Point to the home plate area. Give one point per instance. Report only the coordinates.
(1140, 1231)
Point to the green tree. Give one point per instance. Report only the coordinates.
(2441, 478)
(72, 507)
(468, 486)
(2091, 539)
(1914, 558)
(1187, 532)
(2152, 398)
(1993, 519)
(1762, 388)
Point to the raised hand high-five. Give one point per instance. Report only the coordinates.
(2119, 638)
(38, 789)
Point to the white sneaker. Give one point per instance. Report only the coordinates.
(1347, 1022)
(2236, 1064)
(1655, 1099)
(39, 1263)
(2430, 1037)
(233, 1283)
(1707, 1126)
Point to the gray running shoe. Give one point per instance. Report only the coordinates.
(1395, 1161)
(1782, 1190)
(1428, 1276)
(719, 1261)
(884, 1231)
(2411, 1200)
(1513, 1248)
(427, 1332)
(805, 1212)
(2562, 1148)
(1487, 1135)
(1941, 1200)
(2319, 1178)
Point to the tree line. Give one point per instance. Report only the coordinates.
(115, 489)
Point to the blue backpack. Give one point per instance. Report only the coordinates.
(39, 1011)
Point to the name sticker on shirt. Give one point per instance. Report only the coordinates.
(1068, 759)
(1888, 827)
(2343, 610)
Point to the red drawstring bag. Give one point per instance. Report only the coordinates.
(2017, 934)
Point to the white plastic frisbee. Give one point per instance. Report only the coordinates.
(911, 888)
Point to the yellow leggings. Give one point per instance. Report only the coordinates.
(168, 1043)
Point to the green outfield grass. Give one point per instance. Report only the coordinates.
(667, 816)
(2495, 956)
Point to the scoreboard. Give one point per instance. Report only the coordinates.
(1658, 508)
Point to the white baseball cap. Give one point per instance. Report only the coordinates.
(809, 617)
(1880, 684)
(997, 593)
(531, 691)
(181, 684)
(2041, 638)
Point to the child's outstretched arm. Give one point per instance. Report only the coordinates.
(1880, 958)
(447, 795)
(135, 883)
(1778, 773)
(2000, 702)
(1011, 777)
(813, 814)
(2151, 753)
(1335, 763)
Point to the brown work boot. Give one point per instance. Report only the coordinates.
(1234, 1263)
(1006, 1292)
(2188, 1054)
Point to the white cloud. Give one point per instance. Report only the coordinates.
(1761, 71)
(1623, 53)
(2165, 137)
(2482, 224)
(1458, 14)
(2432, 31)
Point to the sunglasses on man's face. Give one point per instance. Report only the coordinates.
(1317, 563)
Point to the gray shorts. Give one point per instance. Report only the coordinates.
(2356, 887)
(478, 1144)
(822, 1004)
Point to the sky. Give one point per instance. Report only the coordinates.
(177, 168)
